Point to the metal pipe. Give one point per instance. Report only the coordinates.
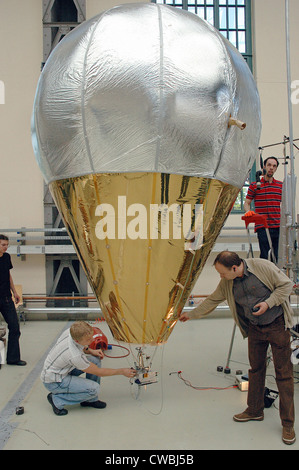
(290, 109)
(62, 310)
(291, 138)
(98, 311)
(277, 143)
(79, 310)
(73, 297)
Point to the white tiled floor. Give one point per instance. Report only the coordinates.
(166, 415)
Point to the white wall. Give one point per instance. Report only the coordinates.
(20, 61)
(21, 189)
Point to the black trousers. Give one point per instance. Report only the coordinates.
(264, 244)
(8, 310)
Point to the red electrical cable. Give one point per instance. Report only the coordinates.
(188, 383)
(118, 357)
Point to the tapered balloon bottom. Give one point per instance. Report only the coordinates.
(143, 240)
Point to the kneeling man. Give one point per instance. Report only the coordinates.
(69, 358)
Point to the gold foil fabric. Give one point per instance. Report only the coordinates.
(141, 277)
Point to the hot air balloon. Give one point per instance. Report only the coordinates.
(145, 125)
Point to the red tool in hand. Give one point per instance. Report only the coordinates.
(253, 217)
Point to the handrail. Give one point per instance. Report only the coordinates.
(37, 297)
(81, 297)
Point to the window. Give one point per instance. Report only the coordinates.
(233, 19)
(239, 203)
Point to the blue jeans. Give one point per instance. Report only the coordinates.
(74, 389)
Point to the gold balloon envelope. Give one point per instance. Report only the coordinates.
(141, 275)
(144, 113)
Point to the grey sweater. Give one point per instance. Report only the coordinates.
(270, 275)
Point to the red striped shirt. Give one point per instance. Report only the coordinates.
(267, 201)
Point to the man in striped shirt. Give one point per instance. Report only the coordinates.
(69, 358)
(267, 197)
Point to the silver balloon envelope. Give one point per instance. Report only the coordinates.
(137, 106)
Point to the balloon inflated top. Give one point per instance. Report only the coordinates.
(146, 88)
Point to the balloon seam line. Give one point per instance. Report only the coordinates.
(148, 261)
(161, 81)
(87, 146)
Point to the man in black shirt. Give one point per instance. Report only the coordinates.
(7, 306)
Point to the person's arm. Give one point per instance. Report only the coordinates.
(246, 205)
(102, 372)
(283, 287)
(13, 289)
(250, 196)
(207, 306)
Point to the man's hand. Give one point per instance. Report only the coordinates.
(16, 297)
(184, 317)
(262, 307)
(249, 213)
(94, 352)
(98, 353)
(129, 372)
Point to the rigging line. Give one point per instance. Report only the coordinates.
(149, 258)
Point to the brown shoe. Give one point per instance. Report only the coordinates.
(245, 416)
(288, 435)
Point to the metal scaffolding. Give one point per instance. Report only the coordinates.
(63, 270)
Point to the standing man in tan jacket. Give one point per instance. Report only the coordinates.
(257, 293)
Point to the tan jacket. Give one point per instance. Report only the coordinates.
(270, 275)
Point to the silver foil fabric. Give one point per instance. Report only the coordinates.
(146, 88)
